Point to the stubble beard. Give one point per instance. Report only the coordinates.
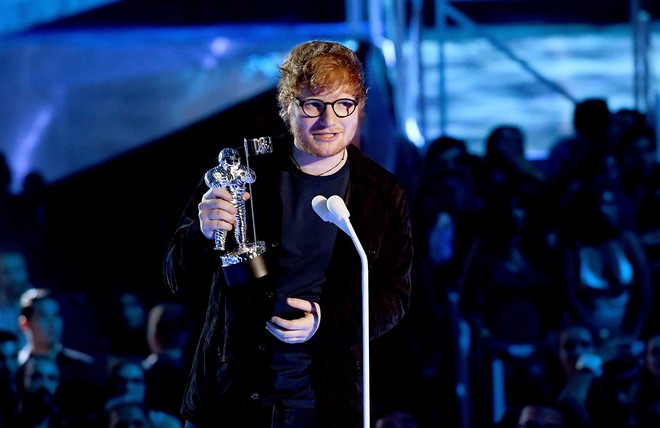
(318, 150)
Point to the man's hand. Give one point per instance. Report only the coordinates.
(216, 211)
(298, 330)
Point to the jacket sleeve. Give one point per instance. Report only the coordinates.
(390, 270)
(380, 216)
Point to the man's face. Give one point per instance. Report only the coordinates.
(653, 355)
(9, 358)
(574, 342)
(132, 310)
(46, 324)
(130, 381)
(129, 416)
(13, 275)
(42, 373)
(326, 135)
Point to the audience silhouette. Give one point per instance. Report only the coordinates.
(649, 391)
(9, 388)
(13, 225)
(126, 383)
(124, 323)
(605, 269)
(14, 281)
(447, 215)
(79, 376)
(570, 156)
(612, 400)
(39, 407)
(166, 368)
(126, 413)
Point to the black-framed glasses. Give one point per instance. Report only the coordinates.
(313, 107)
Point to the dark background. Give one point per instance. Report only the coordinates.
(111, 223)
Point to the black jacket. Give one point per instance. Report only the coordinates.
(228, 360)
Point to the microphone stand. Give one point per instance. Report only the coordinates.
(334, 210)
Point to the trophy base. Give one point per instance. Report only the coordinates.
(244, 264)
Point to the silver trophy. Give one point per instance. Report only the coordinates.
(245, 261)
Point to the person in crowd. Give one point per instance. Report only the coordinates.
(506, 169)
(33, 198)
(169, 327)
(124, 323)
(79, 392)
(13, 225)
(570, 156)
(622, 122)
(505, 163)
(639, 175)
(447, 212)
(613, 397)
(509, 298)
(506, 275)
(40, 246)
(445, 216)
(604, 267)
(579, 364)
(649, 392)
(406, 167)
(542, 416)
(14, 281)
(23, 223)
(396, 418)
(126, 413)
(603, 389)
(287, 345)
(40, 382)
(638, 163)
(575, 341)
(9, 404)
(126, 383)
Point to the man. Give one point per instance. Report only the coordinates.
(126, 383)
(40, 382)
(9, 405)
(41, 321)
(287, 346)
(166, 368)
(14, 280)
(123, 413)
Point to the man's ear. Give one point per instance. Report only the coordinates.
(23, 322)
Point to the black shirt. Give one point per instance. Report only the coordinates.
(306, 248)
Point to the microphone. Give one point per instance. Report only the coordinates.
(334, 210)
(320, 206)
(338, 208)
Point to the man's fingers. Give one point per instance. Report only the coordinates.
(294, 324)
(303, 305)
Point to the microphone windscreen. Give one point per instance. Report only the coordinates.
(337, 207)
(319, 204)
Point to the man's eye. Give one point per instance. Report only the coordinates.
(314, 105)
